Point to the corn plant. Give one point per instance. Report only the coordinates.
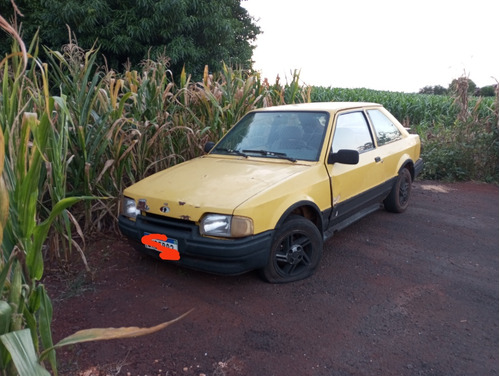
(26, 122)
(72, 72)
(24, 234)
(33, 170)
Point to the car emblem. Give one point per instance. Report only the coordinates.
(165, 208)
(142, 205)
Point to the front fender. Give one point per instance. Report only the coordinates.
(307, 209)
(310, 188)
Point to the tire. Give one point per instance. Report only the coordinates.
(399, 198)
(295, 251)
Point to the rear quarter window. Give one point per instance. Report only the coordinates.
(385, 131)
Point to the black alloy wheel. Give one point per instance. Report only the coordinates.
(295, 252)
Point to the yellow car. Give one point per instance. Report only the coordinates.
(279, 183)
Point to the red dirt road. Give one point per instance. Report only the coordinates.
(395, 294)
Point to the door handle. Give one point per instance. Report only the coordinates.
(379, 160)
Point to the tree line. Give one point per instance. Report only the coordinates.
(473, 89)
(187, 33)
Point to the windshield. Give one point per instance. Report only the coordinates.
(292, 135)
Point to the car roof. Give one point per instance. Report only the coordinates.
(320, 106)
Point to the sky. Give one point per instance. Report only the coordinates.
(394, 45)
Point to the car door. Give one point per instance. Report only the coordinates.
(354, 187)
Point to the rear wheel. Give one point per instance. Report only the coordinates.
(399, 198)
(295, 251)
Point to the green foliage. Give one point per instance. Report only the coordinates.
(467, 149)
(20, 347)
(461, 152)
(192, 33)
(488, 91)
(436, 90)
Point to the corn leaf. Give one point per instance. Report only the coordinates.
(34, 258)
(4, 272)
(5, 315)
(44, 320)
(101, 334)
(15, 296)
(5, 319)
(20, 346)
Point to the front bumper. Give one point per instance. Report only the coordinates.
(219, 256)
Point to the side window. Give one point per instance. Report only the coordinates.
(385, 130)
(352, 132)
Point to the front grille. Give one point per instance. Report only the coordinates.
(173, 223)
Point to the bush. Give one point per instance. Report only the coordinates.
(488, 91)
(467, 149)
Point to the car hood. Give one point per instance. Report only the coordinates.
(210, 185)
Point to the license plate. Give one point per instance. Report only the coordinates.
(169, 243)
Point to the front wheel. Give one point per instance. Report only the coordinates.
(399, 198)
(295, 252)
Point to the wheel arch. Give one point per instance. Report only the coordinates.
(408, 164)
(307, 209)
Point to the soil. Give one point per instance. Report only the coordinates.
(395, 294)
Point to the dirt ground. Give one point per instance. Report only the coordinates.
(395, 294)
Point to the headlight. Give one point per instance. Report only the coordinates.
(226, 226)
(128, 208)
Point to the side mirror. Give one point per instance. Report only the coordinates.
(209, 146)
(344, 156)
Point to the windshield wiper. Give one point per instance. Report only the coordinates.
(268, 153)
(231, 151)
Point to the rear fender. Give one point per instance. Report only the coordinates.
(406, 162)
